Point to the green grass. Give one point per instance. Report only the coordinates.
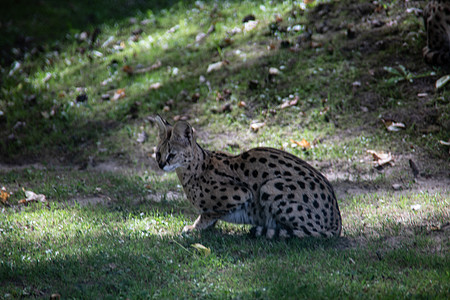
(136, 252)
(113, 226)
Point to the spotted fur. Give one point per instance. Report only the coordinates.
(279, 193)
(436, 17)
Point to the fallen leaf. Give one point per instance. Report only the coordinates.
(128, 69)
(4, 195)
(33, 197)
(257, 125)
(200, 37)
(444, 143)
(287, 104)
(442, 81)
(397, 186)
(416, 207)
(392, 125)
(120, 93)
(380, 158)
(155, 86)
(216, 66)
(241, 104)
(47, 77)
(250, 25)
(155, 66)
(55, 296)
(202, 249)
(316, 44)
(274, 71)
(303, 143)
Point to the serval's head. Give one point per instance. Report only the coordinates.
(175, 145)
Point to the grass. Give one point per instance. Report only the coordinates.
(136, 251)
(112, 228)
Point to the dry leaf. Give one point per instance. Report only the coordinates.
(397, 186)
(442, 81)
(241, 104)
(4, 195)
(274, 71)
(444, 143)
(250, 25)
(155, 66)
(392, 125)
(202, 249)
(155, 86)
(316, 44)
(120, 93)
(216, 66)
(287, 104)
(33, 197)
(416, 207)
(303, 143)
(127, 69)
(257, 125)
(380, 158)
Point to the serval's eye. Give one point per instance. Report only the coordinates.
(170, 156)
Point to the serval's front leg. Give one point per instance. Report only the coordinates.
(203, 221)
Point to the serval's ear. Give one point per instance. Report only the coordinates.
(163, 126)
(183, 133)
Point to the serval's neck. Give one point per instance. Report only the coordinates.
(199, 163)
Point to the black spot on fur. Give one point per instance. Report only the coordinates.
(316, 204)
(263, 160)
(264, 175)
(301, 184)
(224, 197)
(299, 208)
(286, 173)
(245, 155)
(312, 186)
(305, 230)
(279, 186)
(255, 173)
(289, 210)
(236, 197)
(255, 187)
(305, 198)
(246, 173)
(265, 197)
(278, 197)
(272, 165)
(291, 196)
(253, 159)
